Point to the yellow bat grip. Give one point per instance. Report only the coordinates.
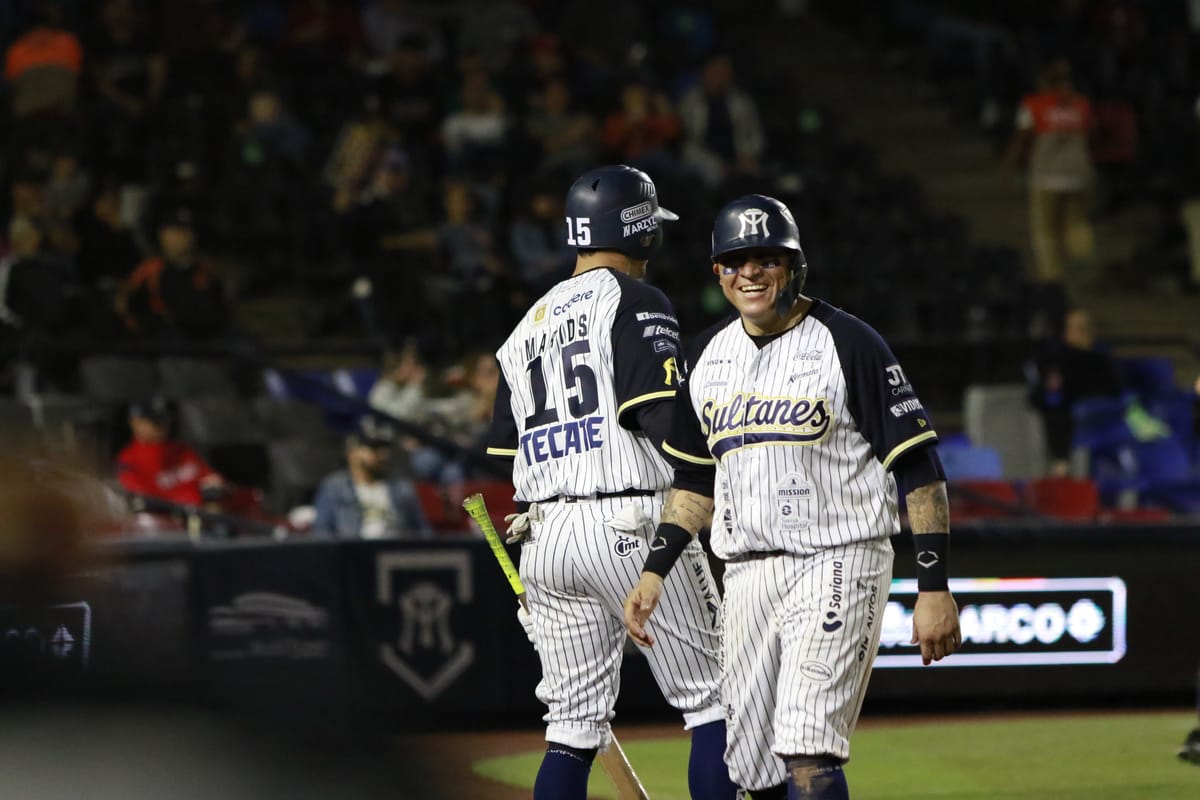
(476, 507)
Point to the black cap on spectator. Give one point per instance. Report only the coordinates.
(371, 431)
(177, 216)
(157, 408)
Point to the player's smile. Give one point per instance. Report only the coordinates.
(752, 279)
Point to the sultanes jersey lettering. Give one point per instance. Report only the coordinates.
(803, 432)
(589, 352)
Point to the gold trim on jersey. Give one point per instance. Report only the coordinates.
(502, 451)
(687, 456)
(907, 445)
(644, 398)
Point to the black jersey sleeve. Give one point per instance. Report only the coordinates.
(687, 442)
(645, 340)
(502, 436)
(882, 401)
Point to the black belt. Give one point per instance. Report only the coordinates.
(755, 555)
(602, 495)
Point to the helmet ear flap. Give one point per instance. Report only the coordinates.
(787, 298)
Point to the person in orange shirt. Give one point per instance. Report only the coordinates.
(644, 125)
(177, 292)
(154, 464)
(43, 66)
(1054, 126)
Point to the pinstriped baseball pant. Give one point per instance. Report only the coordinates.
(577, 571)
(801, 634)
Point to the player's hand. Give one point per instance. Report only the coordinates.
(639, 604)
(526, 620)
(518, 527)
(935, 626)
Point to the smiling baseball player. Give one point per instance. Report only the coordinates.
(589, 376)
(791, 429)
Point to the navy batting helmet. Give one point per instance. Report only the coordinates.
(760, 221)
(615, 208)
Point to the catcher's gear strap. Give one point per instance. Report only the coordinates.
(933, 551)
(665, 548)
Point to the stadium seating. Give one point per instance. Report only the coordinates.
(982, 499)
(999, 416)
(297, 467)
(208, 421)
(1150, 377)
(970, 462)
(114, 379)
(1075, 499)
(195, 377)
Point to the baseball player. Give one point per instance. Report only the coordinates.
(793, 425)
(588, 380)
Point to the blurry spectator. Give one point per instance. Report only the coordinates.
(562, 137)
(389, 206)
(400, 390)
(43, 65)
(376, 232)
(129, 75)
(410, 94)
(156, 464)
(107, 243)
(270, 132)
(722, 128)
(386, 22)
(471, 286)
(538, 239)
(474, 135)
(63, 199)
(67, 190)
(365, 500)
(1053, 128)
(33, 286)
(1070, 370)
(463, 417)
(351, 161)
(493, 28)
(642, 128)
(323, 32)
(176, 292)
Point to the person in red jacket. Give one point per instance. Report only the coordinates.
(154, 464)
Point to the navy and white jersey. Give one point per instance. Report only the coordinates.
(584, 357)
(803, 432)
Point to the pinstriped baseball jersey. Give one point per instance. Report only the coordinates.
(587, 353)
(803, 431)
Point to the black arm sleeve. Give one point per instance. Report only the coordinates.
(918, 467)
(686, 448)
(502, 436)
(883, 403)
(645, 342)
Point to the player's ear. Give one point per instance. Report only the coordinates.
(717, 270)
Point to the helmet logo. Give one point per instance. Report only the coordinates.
(752, 219)
(634, 213)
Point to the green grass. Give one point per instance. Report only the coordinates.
(1110, 757)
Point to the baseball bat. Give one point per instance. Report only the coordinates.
(613, 759)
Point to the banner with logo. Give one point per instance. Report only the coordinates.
(271, 622)
(433, 626)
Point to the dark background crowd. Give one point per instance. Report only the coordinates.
(265, 219)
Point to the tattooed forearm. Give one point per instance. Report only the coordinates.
(688, 510)
(929, 509)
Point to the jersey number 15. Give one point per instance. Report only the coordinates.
(579, 380)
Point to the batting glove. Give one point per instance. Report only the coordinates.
(518, 528)
(526, 620)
